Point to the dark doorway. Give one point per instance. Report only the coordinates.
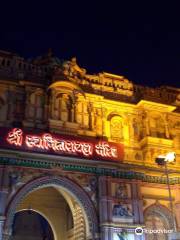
(31, 225)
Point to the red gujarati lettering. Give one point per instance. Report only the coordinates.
(48, 142)
(15, 137)
(34, 141)
(103, 149)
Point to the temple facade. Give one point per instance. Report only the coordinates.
(78, 154)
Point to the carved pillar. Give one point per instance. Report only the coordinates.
(166, 127)
(85, 115)
(91, 116)
(2, 219)
(104, 111)
(4, 183)
(78, 111)
(146, 124)
(46, 108)
(107, 233)
(167, 130)
(73, 112)
(177, 207)
(137, 203)
(64, 102)
(98, 122)
(177, 213)
(105, 207)
(125, 129)
(131, 128)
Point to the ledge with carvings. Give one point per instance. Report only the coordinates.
(123, 174)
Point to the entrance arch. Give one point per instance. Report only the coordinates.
(68, 187)
(158, 217)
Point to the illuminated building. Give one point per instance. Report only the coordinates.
(77, 153)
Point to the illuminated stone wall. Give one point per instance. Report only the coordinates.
(60, 97)
(104, 106)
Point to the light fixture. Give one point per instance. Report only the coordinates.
(168, 158)
(163, 160)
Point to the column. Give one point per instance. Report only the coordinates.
(104, 111)
(105, 208)
(2, 219)
(4, 183)
(177, 207)
(177, 213)
(165, 118)
(106, 233)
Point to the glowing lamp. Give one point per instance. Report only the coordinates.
(168, 158)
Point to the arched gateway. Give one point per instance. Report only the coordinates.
(67, 187)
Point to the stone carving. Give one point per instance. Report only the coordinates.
(82, 111)
(137, 128)
(145, 120)
(85, 115)
(121, 191)
(71, 68)
(91, 188)
(122, 210)
(63, 108)
(90, 109)
(98, 121)
(15, 179)
(159, 211)
(157, 126)
(116, 126)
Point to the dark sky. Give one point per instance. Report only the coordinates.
(141, 42)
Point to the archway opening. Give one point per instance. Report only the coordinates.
(31, 225)
(158, 222)
(61, 211)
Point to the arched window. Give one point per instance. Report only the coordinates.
(157, 126)
(155, 222)
(36, 106)
(158, 217)
(63, 107)
(116, 128)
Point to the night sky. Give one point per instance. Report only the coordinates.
(141, 42)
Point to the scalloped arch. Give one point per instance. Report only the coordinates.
(66, 184)
(162, 211)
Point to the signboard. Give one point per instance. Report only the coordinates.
(18, 139)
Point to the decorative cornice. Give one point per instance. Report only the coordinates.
(123, 174)
(155, 106)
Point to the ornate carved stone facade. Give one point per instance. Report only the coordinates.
(108, 199)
